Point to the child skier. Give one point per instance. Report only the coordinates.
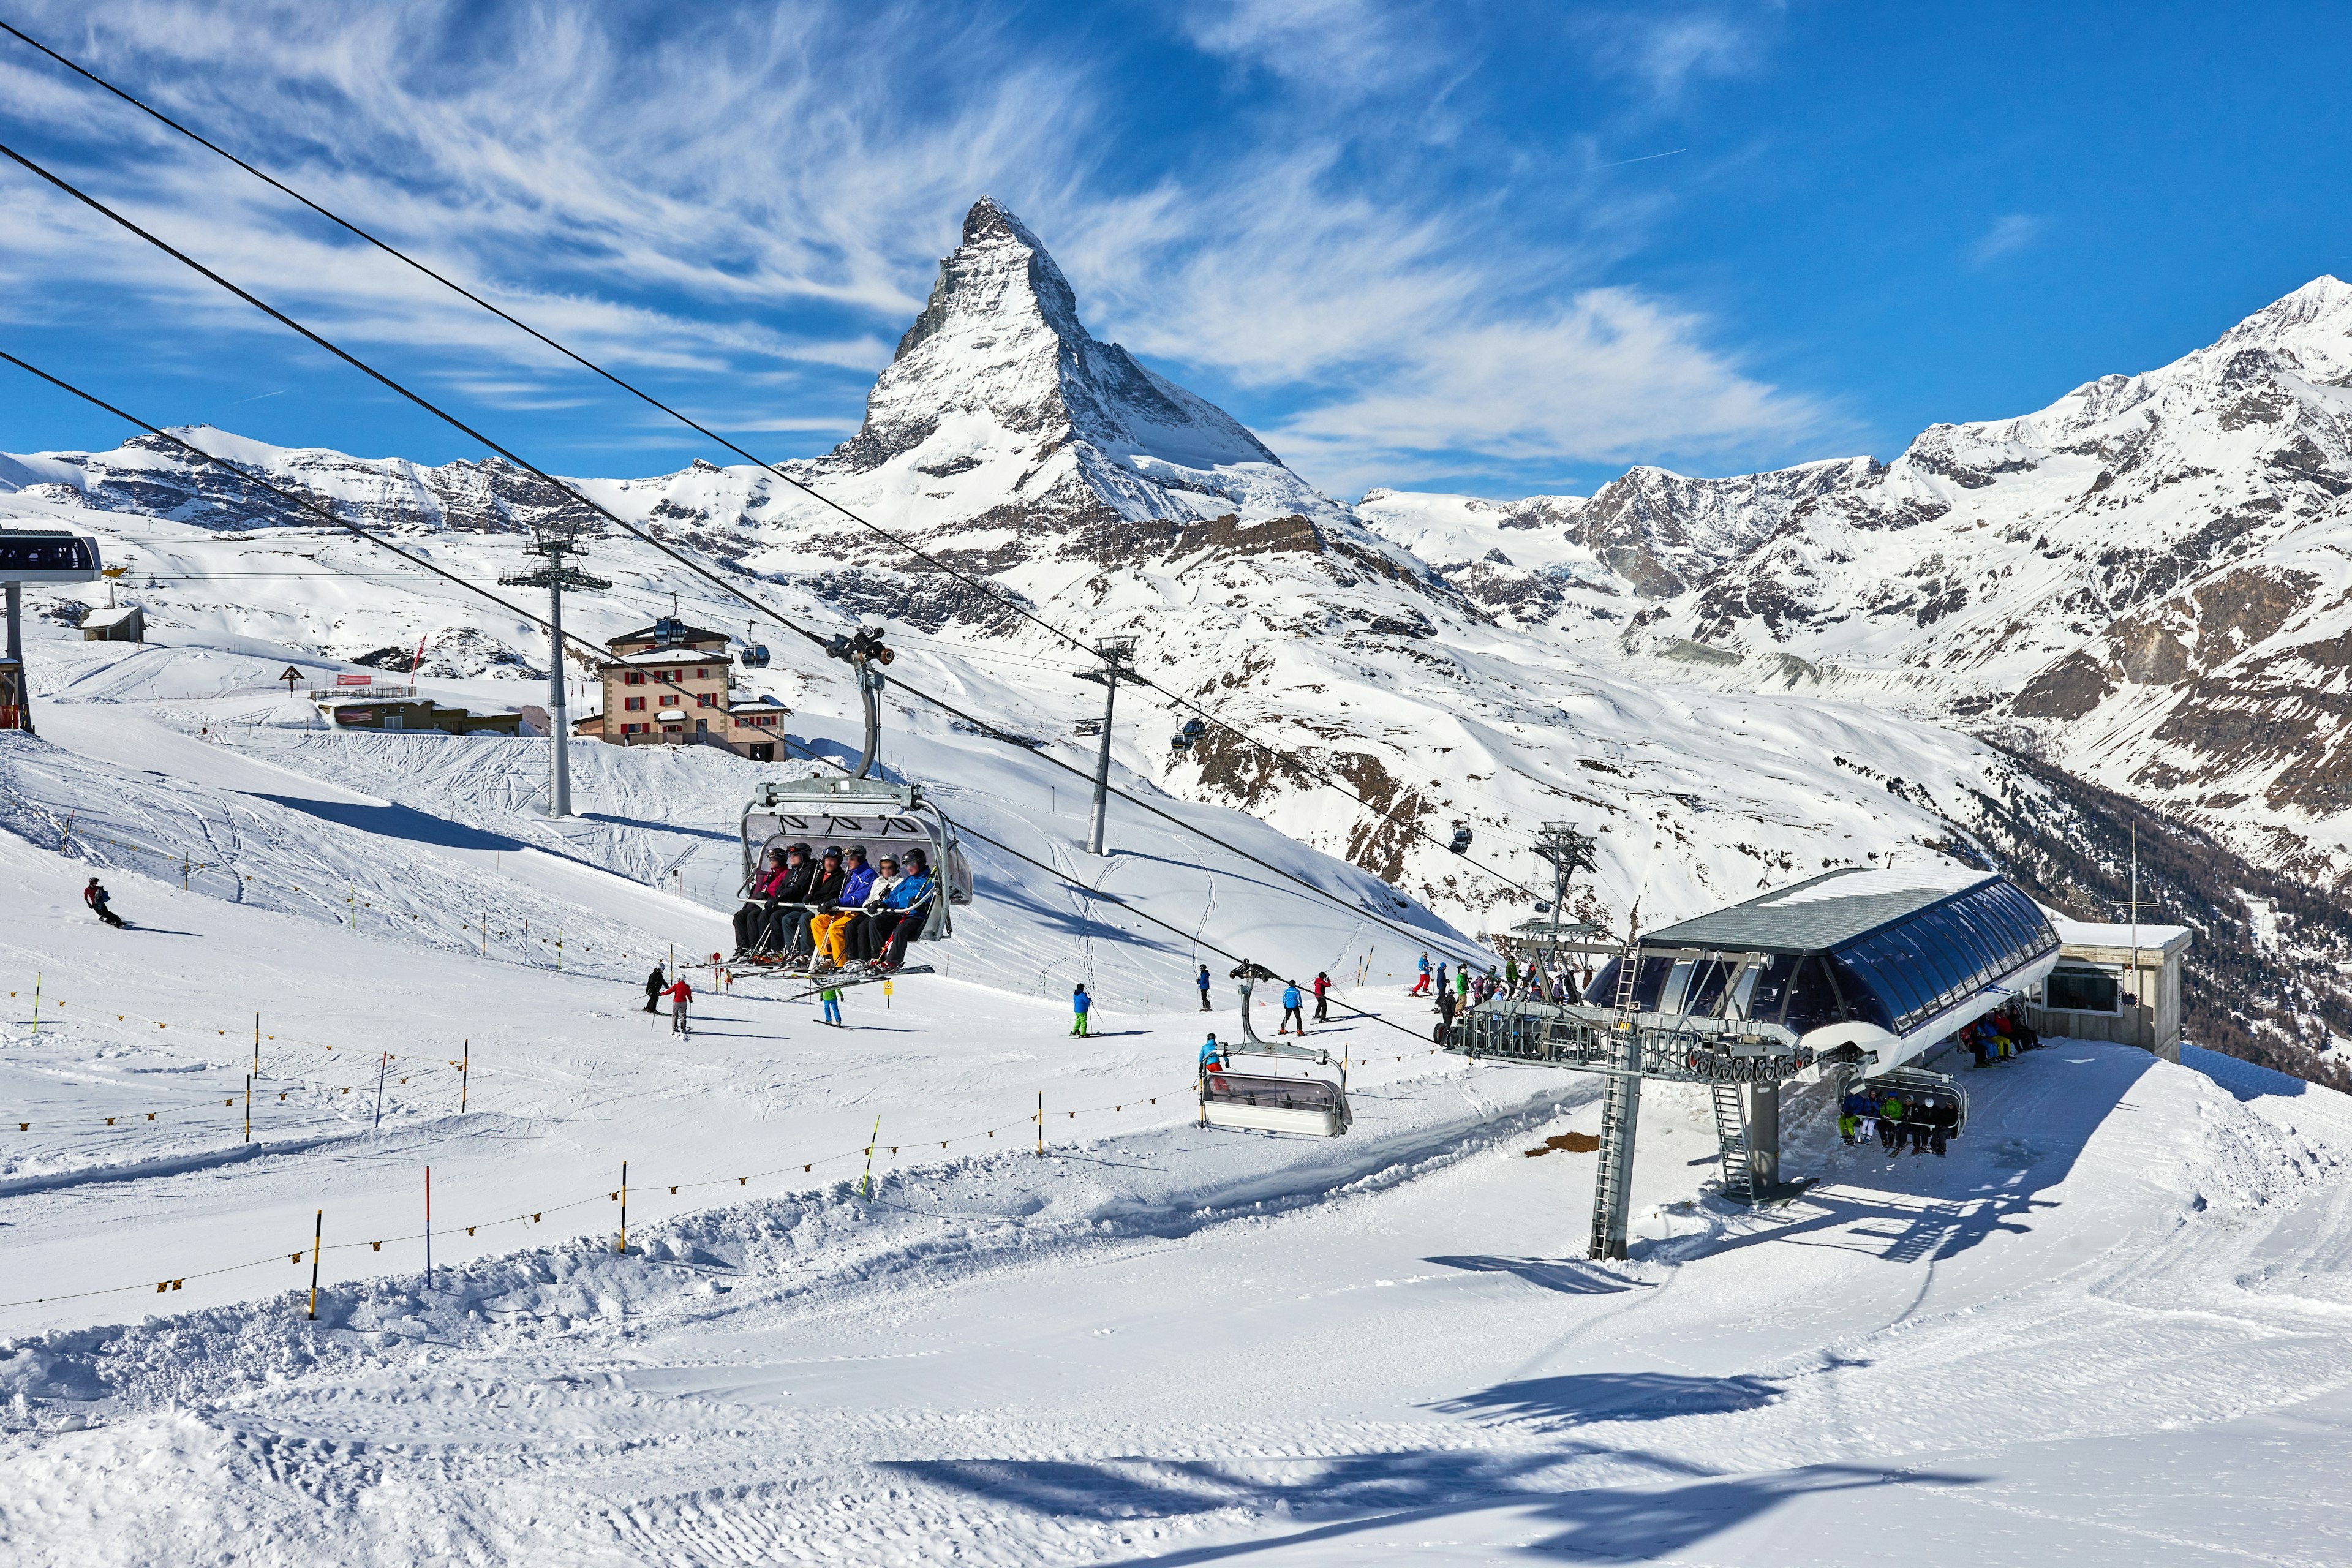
(1420, 986)
(831, 997)
(1080, 1004)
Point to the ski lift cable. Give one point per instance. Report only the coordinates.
(1320, 776)
(634, 532)
(588, 650)
(641, 535)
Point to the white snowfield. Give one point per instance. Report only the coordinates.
(2107, 1329)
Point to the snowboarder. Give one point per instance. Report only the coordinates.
(655, 983)
(95, 897)
(680, 994)
(831, 997)
(1322, 997)
(1204, 983)
(1080, 1004)
(1291, 1004)
(1420, 986)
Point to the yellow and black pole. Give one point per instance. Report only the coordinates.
(318, 1235)
(623, 1246)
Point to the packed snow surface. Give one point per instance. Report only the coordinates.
(2107, 1329)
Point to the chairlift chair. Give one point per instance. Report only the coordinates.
(1910, 1083)
(888, 818)
(1460, 845)
(1257, 1102)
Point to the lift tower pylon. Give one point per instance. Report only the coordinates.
(555, 540)
(1118, 655)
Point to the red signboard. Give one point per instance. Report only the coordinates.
(355, 680)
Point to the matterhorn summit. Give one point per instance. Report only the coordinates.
(1001, 409)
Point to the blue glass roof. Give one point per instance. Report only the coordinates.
(1892, 948)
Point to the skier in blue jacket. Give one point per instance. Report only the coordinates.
(1080, 1005)
(1292, 1001)
(1213, 1056)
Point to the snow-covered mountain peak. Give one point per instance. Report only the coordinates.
(1000, 340)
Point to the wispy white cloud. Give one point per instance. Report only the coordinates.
(751, 202)
(1664, 49)
(2009, 233)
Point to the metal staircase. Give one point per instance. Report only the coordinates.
(1620, 1114)
(1731, 1144)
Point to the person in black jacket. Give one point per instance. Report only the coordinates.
(799, 873)
(655, 983)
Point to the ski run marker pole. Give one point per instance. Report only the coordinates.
(623, 1245)
(428, 1227)
(873, 1138)
(465, 1076)
(317, 1232)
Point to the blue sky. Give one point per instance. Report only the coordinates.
(1483, 246)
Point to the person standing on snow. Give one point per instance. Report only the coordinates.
(680, 994)
(1322, 997)
(1204, 983)
(1420, 986)
(96, 898)
(655, 983)
(1445, 984)
(1212, 1055)
(831, 997)
(1291, 1004)
(1080, 1004)
(1445, 1005)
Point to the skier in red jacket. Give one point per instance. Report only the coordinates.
(679, 995)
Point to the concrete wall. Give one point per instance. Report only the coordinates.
(2152, 1021)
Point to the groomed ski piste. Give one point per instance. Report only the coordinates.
(2109, 1328)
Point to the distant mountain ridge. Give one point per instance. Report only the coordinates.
(2145, 582)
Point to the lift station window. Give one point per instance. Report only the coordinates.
(2074, 990)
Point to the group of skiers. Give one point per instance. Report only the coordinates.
(1925, 1120)
(680, 995)
(1457, 989)
(829, 912)
(1998, 1037)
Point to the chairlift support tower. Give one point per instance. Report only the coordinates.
(555, 542)
(1118, 655)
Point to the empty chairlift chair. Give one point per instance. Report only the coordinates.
(1262, 1102)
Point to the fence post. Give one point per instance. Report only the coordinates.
(248, 1107)
(1041, 1121)
(257, 1045)
(465, 1077)
(624, 1245)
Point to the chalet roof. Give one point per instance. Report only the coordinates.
(655, 657)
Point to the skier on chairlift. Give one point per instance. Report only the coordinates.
(758, 912)
(829, 927)
(1212, 1055)
(904, 910)
(824, 888)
